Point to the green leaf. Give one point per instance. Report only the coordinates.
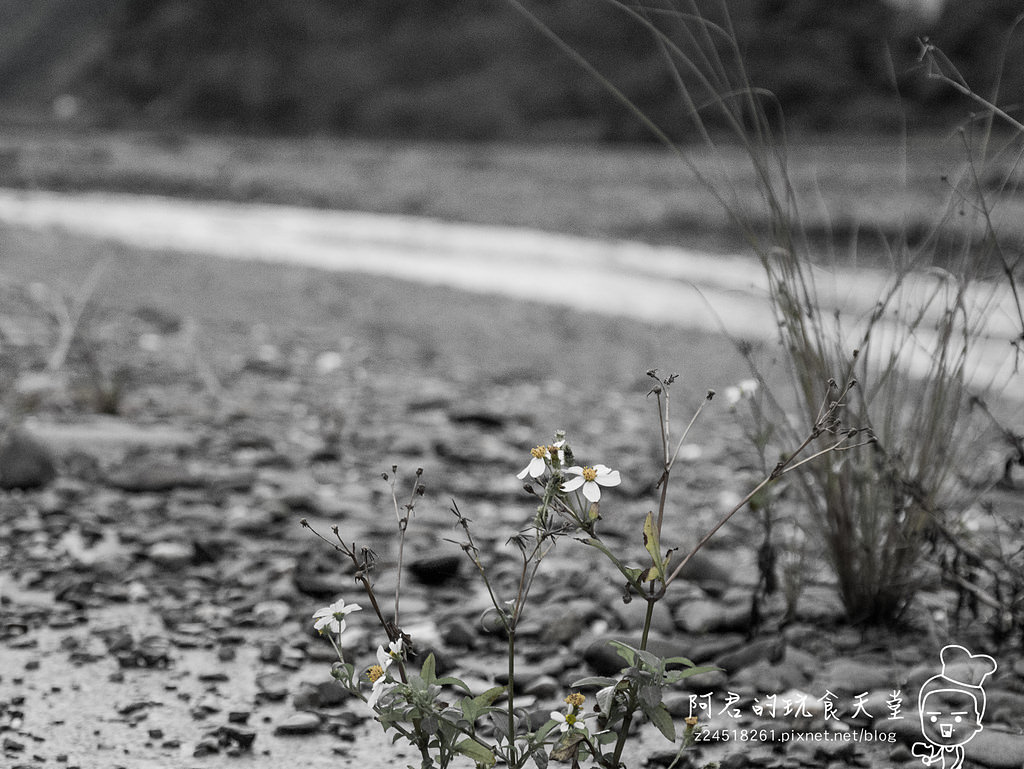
(678, 675)
(540, 758)
(625, 651)
(500, 726)
(470, 711)
(679, 661)
(544, 731)
(488, 697)
(660, 718)
(450, 681)
(565, 749)
(427, 672)
(652, 661)
(599, 681)
(650, 696)
(653, 548)
(476, 751)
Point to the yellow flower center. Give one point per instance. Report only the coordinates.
(575, 699)
(375, 672)
(571, 719)
(691, 721)
(589, 473)
(539, 452)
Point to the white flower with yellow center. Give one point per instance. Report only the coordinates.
(378, 673)
(591, 479)
(538, 463)
(332, 617)
(572, 719)
(540, 457)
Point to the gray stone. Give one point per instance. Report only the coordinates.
(271, 613)
(153, 476)
(850, 676)
(301, 722)
(708, 616)
(709, 572)
(772, 649)
(996, 749)
(25, 463)
(436, 569)
(171, 555)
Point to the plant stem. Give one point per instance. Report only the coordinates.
(511, 695)
(627, 720)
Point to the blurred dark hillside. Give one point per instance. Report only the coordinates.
(451, 69)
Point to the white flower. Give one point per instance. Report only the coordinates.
(333, 617)
(591, 479)
(394, 652)
(741, 391)
(540, 456)
(568, 720)
(378, 673)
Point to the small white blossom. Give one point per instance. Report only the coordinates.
(540, 457)
(333, 617)
(378, 673)
(591, 479)
(394, 652)
(567, 721)
(741, 391)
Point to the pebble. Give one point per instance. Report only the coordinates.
(708, 616)
(153, 476)
(437, 569)
(25, 463)
(171, 554)
(301, 722)
(273, 685)
(847, 676)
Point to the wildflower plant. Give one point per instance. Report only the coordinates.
(442, 718)
(917, 352)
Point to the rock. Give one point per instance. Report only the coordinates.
(707, 616)
(602, 657)
(900, 754)
(631, 616)
(849, 676)
(171, 555)
(301, 722)
(436, 569)
(458, 633)
(272, 686)
(331, 693)
(241, 736)
(771, 649)
(153, 477)
(996, 749)
(709, 572)
(25, 463)
(108, 435)
(565, 623)
(271, 614)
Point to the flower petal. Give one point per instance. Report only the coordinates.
(592, 491)
(611, 478)
(574, 470)
(573, 483)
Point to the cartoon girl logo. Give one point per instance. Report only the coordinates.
(951, 705)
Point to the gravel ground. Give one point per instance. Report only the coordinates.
(156, 586)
